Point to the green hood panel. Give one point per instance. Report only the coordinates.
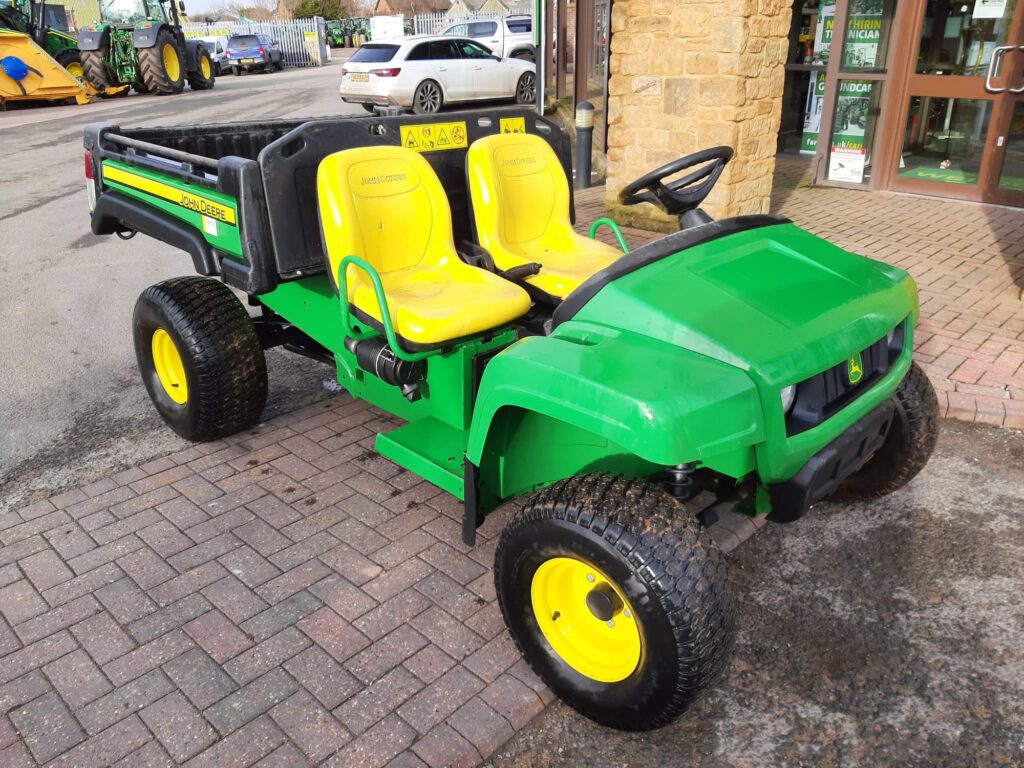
(664, 404)
(775, 301)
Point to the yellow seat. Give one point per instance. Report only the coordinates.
(387, 206)
(520, 199)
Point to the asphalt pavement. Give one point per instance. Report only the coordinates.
(884, 634)
(71, 404)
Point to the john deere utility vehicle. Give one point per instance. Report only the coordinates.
(29, 18)
(140, 43)
(626, 398)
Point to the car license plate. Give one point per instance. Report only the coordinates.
(360, 77)
(247, 61)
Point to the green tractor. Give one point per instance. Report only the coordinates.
(141, 43)
(30, 18)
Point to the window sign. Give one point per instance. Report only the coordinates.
(989, 9)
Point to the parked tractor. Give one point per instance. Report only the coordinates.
(141, 43)
(29, 18)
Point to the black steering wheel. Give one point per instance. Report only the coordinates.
(684, 194)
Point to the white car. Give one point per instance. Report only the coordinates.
(427, 72)
(508, 37)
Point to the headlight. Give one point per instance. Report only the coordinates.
(788, 395)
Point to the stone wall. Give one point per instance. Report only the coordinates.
(690, 75)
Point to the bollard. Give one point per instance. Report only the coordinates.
(584, 143)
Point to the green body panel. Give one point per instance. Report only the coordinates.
(227, 237)
(683, 360)
(57, 42)
(430, 449)
(526, 450)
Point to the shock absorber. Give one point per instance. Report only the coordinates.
(680, 482)
(375, 356)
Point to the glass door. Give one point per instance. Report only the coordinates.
(962, 130)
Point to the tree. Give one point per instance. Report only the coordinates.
(328, 9)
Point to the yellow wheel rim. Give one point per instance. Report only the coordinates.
(586, 619)
(204, 67)
(75, 70)
(169, 368)
(172, 66)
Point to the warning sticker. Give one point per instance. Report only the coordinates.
(512, 124)
(434, 136)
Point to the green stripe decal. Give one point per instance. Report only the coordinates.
(213, 213)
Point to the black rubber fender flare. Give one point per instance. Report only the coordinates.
(117, 213)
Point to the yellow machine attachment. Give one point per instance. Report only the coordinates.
(28, 73)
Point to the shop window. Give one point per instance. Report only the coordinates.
(945, 139)
(1011, 175)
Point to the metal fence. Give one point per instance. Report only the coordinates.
(301, 40)
(433, 23)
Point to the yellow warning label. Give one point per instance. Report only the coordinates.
(512, 124)
(434, 136)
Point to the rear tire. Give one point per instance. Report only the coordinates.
(907, 447)
(428, 98)
(666, 631)
(236, 71)
(526, 88)
(94, 70)
(200, 357)
(202, 78)
(161, 66)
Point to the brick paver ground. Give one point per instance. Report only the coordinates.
(287, 597)
(967, 259)
(284, 597)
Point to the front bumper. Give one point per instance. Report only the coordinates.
(830, 466)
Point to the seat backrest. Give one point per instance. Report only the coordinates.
(518, 189)
(384, 204)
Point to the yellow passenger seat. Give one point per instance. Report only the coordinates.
(387, 206)
(520, 198)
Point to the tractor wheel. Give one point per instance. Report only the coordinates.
(907, 447)
(616, 597)
(202, 79)
(94, 70)
(72, 62)
(200, 357)
(161, 66)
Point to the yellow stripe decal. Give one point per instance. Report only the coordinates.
(201, 205)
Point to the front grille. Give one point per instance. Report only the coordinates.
(824, 394)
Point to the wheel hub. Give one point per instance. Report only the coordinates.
(169, 368)
(586, 619)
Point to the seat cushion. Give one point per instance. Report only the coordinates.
(386, 205)
(520, 198)
(434, 305)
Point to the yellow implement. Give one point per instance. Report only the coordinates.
(28, 73)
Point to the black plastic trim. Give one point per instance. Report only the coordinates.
(117, 213)
(655, 251)
(823, 473)
(471, 502)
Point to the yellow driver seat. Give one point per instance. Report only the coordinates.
(387, 206)
(520, 199)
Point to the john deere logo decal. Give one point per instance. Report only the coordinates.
(854, 369)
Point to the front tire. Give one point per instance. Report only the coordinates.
(617, 599)
(526, 88)
(907, 447)
(200, 357)
(161, 66)
(202, 79)
(428, 98)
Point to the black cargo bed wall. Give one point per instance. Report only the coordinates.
(245, 140)
(289, 166)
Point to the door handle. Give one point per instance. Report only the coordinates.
(1021, 89)
(993, 66)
